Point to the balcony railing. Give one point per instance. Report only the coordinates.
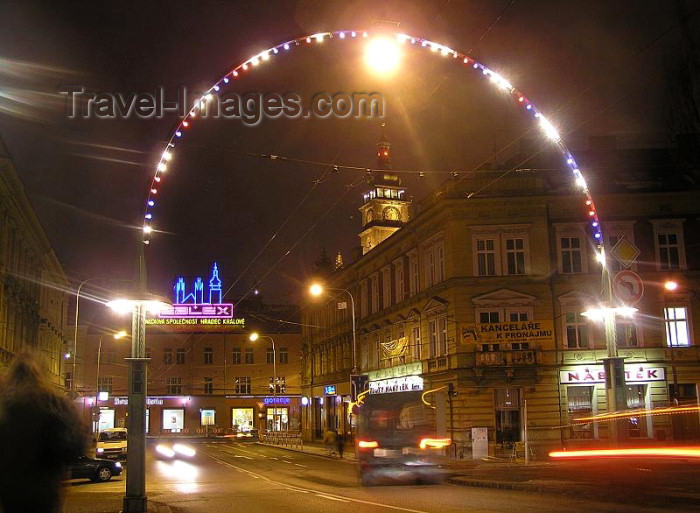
(506, 358)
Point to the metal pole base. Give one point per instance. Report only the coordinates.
(135, 505)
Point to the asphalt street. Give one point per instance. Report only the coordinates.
(258, 478)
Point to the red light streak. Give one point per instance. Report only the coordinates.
(667, 452)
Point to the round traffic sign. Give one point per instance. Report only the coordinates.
(628, 287)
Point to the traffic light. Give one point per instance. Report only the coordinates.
(358, 384)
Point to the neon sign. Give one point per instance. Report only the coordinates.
(277, 400)
(192, 305)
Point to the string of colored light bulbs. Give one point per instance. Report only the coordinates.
(344, 35)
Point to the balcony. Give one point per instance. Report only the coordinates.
(513, 358)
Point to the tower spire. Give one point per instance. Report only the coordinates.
(384, 150)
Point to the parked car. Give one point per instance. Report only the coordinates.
(94, 469)
(111, 443)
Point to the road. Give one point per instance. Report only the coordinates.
(256, 478)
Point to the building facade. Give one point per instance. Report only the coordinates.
(33, 295)
(203, 378)
(482, 296)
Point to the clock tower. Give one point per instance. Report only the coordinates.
(385, 208)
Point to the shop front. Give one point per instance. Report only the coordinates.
(327, 408)
(583, 395)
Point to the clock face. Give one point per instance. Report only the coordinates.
(391, 214)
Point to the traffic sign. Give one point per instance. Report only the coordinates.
(628, 287)
(625, 252)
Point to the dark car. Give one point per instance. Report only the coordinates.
(93, 469)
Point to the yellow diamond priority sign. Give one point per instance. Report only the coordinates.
(625, 252)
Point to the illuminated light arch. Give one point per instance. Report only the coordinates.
(460, 59)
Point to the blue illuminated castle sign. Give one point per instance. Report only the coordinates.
(198, 303)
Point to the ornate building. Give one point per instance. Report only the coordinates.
(484, 296)
(33, 295)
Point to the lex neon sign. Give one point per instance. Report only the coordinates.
(194, 304)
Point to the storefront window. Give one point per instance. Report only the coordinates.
(580, 404)
(106, 419)
(277, 419)
(207, 417)
(242, 419)
(173, 420)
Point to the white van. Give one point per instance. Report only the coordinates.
(111, 443)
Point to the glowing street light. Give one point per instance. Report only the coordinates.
(253, 337)
(117, 336)
(382, 55)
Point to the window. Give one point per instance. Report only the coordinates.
(281, 385)
(375, 292)
(414, 273)
(242, 385)
(208, 356)
(580, 404)
(626, 333)
(576, 328)
(416, 342)
(173, 386)
(486, 257)
(437, 329)
(570, 248)
(236, 355)
(386, 287)
(677, 327)
(515, 256)
(434, 257)
(284, 355)
(399, 280)
(104, 384)
(208, 385)
(669, 244)
(167, 356)
(270, 355)
(636, 400)
(249, 355)
(180, 357)
(501, 250)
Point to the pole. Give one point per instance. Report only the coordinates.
(96, 417)
(75, 333)
(274, 385)
(527, 443)
(135, 500)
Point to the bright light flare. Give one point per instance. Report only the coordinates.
(164, 450)
(671, 285)
(434, 443)
(367, 444)
(316, 289)
(382, 55)
(652, 452)
(184, 450)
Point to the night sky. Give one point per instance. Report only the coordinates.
(594, 67)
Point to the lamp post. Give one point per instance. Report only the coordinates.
(135, 500)
(117, 336)
(253, 337)
(75, 332)
(316, 290)
(613, 364)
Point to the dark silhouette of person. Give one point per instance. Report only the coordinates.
(40, 433)
(341, 443)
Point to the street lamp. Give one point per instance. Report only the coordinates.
(382, 55)
(253, 337)
(117, 336)
(613, 364)
(316, 290)
(135, 500)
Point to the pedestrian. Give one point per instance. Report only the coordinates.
(40, 433)
(341, 444)
(329, 440)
